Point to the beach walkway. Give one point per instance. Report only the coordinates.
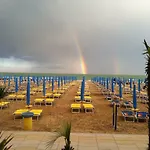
(80, 141)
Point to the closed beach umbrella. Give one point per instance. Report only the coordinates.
(134, 97)
(130, 83)
(16, 85)
(58, 82)
(107, 83)
(28, 93)
(120, 89)
(20, 80)
(44, 90)
(82, 88)
(52, 84)
(112, 85)
(37, 81)
(9, 81)
(49, 80)
(139, 85)
(4, 80)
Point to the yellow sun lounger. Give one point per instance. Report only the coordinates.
(77, 98)
(88, 108)
(85, 93)
(4, 104)
(54, 91)
(19, 112)
(31, 93)
(49, 101)
(11, 97)
(61, 91)
(38, 101)
(20, 97)
(56, 95)
(48, 95)
(37, 112)
(75, 108)
(37, 89)
(88, 99)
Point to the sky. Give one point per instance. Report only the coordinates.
(74, 36)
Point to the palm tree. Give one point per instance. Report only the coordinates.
(4, 142)
(147, 71)
(64, 131)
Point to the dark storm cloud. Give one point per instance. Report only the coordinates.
(41, 32)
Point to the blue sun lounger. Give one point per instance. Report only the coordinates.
(128, 114)
(141, 116)
(127, 104)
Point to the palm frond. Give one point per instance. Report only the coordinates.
(145, 43)
(4, 142)
(3, 91)
(64, 131)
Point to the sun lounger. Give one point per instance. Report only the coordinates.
(20, 97)
(87, 99)
(85, 93)
(49, 101)
(127, 91)
(141, 116)
(35, 89)
(75, 108)
(11, 97)
(37, 112)
(4, 104)
(55, 91)
(19, 112)
(38, 101)
(77, 98)
(128, 114)
(109, 97)
(127, 104)
(49, 95)
(56, 95)
(88, 108)
(116, 102)
(31, 92)
(61, 91)
(144, 100)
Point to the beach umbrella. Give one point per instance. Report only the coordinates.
(28, 79)
(107, 83)
(37, 81)
(139, 85)
(20, 80)
(59, 82)
(112, 85)
(28, 93)
(134, 97)
(52, 84)
(131, 83)
(49, 80)
(82, 89)
(104, 82)
(44, 89)
(14, 79)
(64, 80)
(4, 79)
(33, 78)
(16, 85)
(61, 78)
(9, 81)
(120, 89)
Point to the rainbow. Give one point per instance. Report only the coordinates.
(82, 60)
